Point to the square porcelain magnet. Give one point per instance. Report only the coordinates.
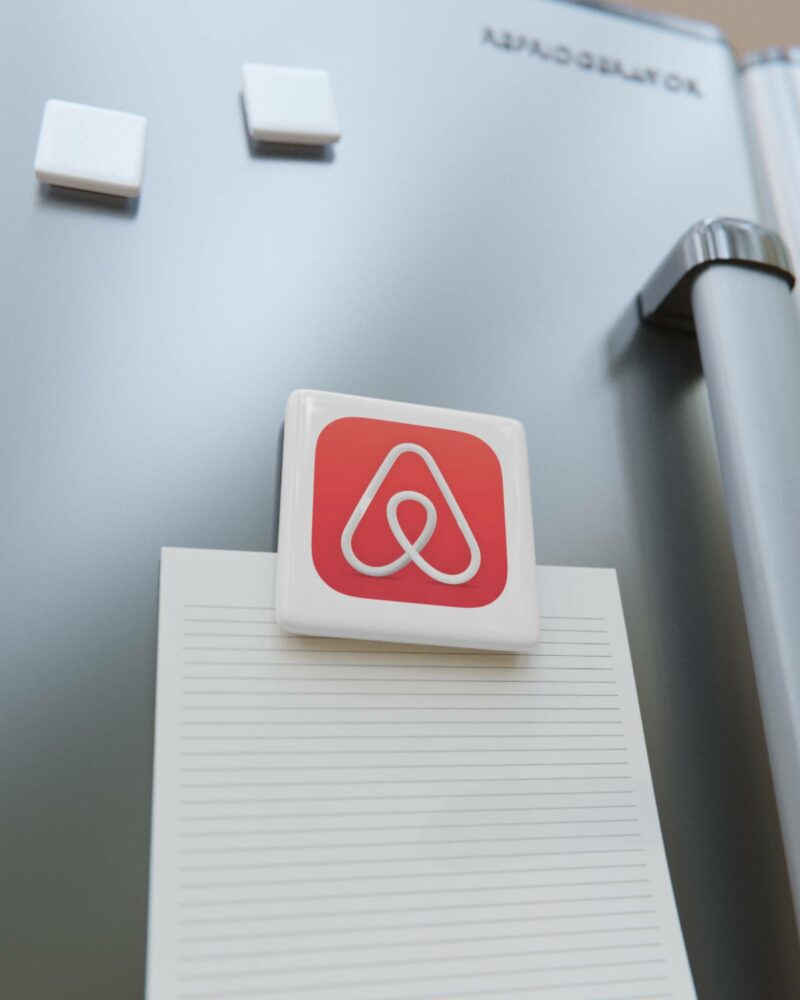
(289, 104)
(405, 523)
(91, 149)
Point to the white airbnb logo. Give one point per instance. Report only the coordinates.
(412, 551)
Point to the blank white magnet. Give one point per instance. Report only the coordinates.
(92, 149)
(289, 105)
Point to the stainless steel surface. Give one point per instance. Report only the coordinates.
(770, 92)
(749, 337)
(666, 298)
(476, 240)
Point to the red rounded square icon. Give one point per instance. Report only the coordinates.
(404, 512)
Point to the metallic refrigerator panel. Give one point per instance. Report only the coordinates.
(509, 175)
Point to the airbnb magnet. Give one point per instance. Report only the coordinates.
(407, 512)
(412, 551)
(405, 522)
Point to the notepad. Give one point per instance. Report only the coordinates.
(365, 821)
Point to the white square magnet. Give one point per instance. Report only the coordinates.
(405, 523)
(91, 149)
(290, 105)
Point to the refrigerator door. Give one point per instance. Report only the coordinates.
(508, 176)
(770, 85)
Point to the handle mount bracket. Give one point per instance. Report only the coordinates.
(666, 299)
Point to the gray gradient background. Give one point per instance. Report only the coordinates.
(475, 241)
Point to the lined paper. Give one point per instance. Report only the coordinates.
(367, 821)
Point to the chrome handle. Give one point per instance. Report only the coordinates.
(730, 282)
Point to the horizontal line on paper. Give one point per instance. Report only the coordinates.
(405, 812)
(404, 876)
(403, 781)
(271, 848)
(259, 935)
(572, 618)
(452, 857)
(512, 673)
(382, 893)
(515, 991)
(396, 708)
(234, 955)
(407, 826)
(305, 649)
(241, 635)
(408, 909)
(270, 679)
(331, 752)
(434, 722)
(418, 738)
(281, 991)
(255, 974)
(280, 634)
(517, 695)
(230, 621)
(390, 652)
(437, 796)
(442, 976)
(524, 991)
(228, 956)
(581, 631)
(197, 904)
(234, 607)
(244, 769)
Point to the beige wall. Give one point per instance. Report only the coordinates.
(750, 24)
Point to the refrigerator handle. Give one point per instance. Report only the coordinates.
(730, 283)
